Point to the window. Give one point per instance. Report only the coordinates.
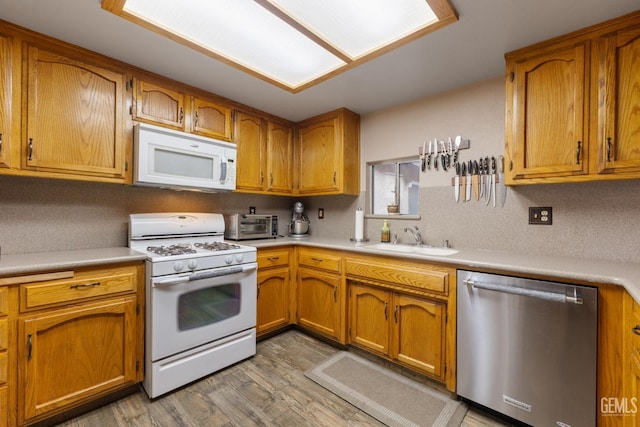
(394, 183)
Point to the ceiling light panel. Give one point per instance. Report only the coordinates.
(359, 27)
(243, 31)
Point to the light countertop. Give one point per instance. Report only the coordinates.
(59, 260)
(587, 271)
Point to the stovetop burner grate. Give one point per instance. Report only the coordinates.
(216, 246)
(188, 248)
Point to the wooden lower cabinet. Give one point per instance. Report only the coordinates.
(319, 303)
(274, 282)
(405, 328)
(70, 355)
(631, 361)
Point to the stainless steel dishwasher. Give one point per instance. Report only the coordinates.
(528, 348)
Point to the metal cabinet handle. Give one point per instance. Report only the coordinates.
(335, 294)
(609, 149)
(195, 123)
(258, 292)
(334, 178)
(636, 330)
(85, 285)
(386, 310)
(0, 144)
(181, 115)
(578, 150)
(270, 178)
(261, 177)
(317, 259)
(30, 149)
(29, 346)
(273, 258)
(395, 313)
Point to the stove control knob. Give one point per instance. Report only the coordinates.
(228, 259)
(192, 264)
(239, 258)
(178, 265)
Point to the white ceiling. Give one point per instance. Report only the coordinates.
(467, 51)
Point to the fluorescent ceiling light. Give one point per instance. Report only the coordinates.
(293, 44)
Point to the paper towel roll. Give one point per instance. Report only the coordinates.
(359, 225)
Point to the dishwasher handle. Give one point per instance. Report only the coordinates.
(545, 295)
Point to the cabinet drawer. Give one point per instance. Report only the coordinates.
(84, 285)
(396, 272)
(4, 334)
(319, 259)
(273, 258)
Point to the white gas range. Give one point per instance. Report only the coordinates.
(200, 297)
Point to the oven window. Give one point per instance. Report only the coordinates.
(208, 306)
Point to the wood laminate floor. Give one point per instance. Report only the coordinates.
(269, 389)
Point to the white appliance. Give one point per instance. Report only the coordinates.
(171, 159)
(200, 297)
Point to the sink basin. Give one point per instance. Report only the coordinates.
(412, 249)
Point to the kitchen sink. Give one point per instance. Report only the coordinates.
(412, 249)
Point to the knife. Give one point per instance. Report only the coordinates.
(487, 183)
(481, 178)
(467, 196)
(502, 188)
(435, 154)
(474, 180)
(463, 180)
(429, 156)
(456, 183)
(423, 156)
(443, 158)
(494, 177)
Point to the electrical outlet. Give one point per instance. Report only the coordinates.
(541, 216)
(252, 210)
(320, 213)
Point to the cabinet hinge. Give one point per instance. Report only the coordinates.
(445, 368)
(129, 84)
(126, 166)
(131, 110)
(137, 365)
(137, 308)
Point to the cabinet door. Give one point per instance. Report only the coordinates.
(273, 300)
(210, 119)
(369, 310)
(631, 370)
(5, 100)
(75, 120)
(319, 302)
(319, 151)
(418, 339)
(251, 140)
(69, 355)
(159, 105)
(619, 115)
(279, 158)
(549, 110)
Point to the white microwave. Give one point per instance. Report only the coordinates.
(172, 159)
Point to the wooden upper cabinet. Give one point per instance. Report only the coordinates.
(210, 119)
(265, 155)
(279, 158)
(619, 99)
(159, 105)
(549, 100)
(74, 116)
(572, 106)
(328, 154)
(5, 100)
(250, 138)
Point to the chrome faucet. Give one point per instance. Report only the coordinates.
(415, 231)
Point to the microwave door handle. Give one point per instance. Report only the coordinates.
(223, 170)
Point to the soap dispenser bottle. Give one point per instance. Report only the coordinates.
(385, 233)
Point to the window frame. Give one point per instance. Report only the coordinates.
(369, 193)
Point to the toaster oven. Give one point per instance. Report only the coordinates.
(250, 226)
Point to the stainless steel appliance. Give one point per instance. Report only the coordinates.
(200, 297)
(299, 225)
(171, 159)
(249, 226)
(528, 348)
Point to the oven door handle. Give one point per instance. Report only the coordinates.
(171, 282)
(220, 272)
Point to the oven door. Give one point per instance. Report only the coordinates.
(191, 309)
